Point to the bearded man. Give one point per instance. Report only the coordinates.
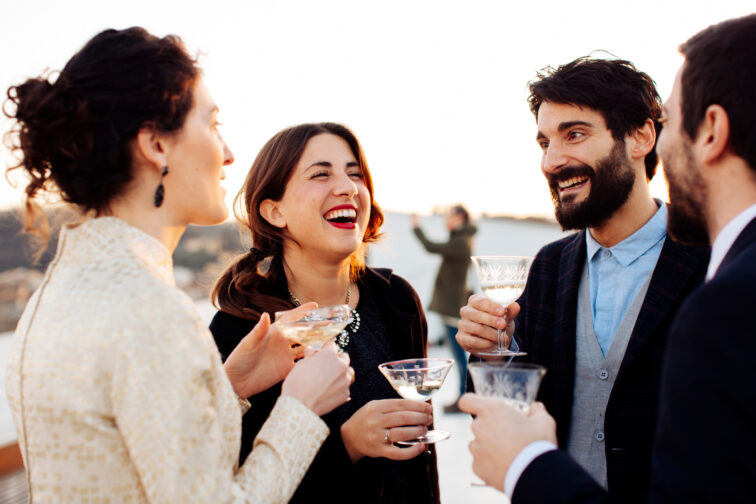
(598, 304)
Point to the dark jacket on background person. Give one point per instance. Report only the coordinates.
(332, 477)
(449, 291)
(705, 440)
(546, 330)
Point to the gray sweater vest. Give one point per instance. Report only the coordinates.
(594, 379)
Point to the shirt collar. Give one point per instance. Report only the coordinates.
(727, 237)
(638, 243)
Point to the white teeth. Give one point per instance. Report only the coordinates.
(344, 212)
(564, 184)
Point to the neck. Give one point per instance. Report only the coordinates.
(639, 208)
(730, 191)
(311, 279)
(153, 221)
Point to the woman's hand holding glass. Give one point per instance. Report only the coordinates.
(374, 428)
(480, 321)
(321, 380)
(263, 358)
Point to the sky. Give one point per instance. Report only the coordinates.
(435, 90)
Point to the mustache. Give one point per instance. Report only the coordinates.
(568, 172)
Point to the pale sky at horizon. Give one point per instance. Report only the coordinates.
(434, 90)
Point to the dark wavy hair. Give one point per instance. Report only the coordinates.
(720, 68)
(244, 289)
(622, 94)
(72, 134)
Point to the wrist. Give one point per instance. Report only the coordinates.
(346, 438)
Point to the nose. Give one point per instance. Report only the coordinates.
(553, 159)
(345, 186)
(228, 156)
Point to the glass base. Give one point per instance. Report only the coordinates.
(432, 436)
(500, 352)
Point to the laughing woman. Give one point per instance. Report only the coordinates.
(308, 205)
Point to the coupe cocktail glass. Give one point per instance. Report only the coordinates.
(417, 380)
(316, 327)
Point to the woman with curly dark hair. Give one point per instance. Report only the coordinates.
(308, 205)
(117, 390)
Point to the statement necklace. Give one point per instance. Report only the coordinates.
(342, 340)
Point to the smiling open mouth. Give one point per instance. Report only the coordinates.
(342, 217)
(571, 182)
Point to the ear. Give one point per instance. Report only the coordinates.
(149, 147)
(271, 213)
(714, 133)
(641, 141)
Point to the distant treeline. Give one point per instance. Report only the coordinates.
(17, 248)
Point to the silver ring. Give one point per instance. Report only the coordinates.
(386, 437)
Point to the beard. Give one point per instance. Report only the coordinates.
(686, 221)
(611, 180)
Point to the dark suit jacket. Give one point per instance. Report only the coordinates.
(546, 329)
(705, 447)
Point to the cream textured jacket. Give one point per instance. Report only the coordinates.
(118, 392)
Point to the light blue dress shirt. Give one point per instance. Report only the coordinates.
(616, 274)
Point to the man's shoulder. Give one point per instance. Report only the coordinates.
(569, 243)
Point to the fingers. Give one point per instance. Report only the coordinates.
(401, 418)
(537, 408)
(476, 337)
(406, 433)
(404, 453)
(258, 332)
(482, 303)
(485, 312)
(393, 405)
(471, 403)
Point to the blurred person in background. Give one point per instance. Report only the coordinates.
(450, 290)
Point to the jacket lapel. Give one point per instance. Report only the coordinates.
(670, 276)
(744, 239)
(571, 266)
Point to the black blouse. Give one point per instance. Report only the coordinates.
(332, 476)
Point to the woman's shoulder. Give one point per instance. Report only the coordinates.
(393, 288)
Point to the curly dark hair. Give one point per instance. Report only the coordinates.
(720, 68)
(72, 135)
(243, 289)
(622, 94)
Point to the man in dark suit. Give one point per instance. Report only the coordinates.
(598, 304)
(706, 436)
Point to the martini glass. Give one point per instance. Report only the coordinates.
(417, 380)
(316, 327)
(502, 279)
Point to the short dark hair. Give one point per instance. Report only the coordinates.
(720, 68)
(460, 210)
(75, 131)
(622, 94)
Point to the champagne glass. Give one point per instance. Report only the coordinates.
(502, 279)
(316, 327)
(417, 380)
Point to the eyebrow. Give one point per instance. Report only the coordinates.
(565, 126)
(327, 164)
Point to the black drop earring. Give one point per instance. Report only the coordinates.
(160, 191)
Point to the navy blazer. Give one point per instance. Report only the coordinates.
(706, 435)
(546, 330)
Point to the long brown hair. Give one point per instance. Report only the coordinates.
(246, 289)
